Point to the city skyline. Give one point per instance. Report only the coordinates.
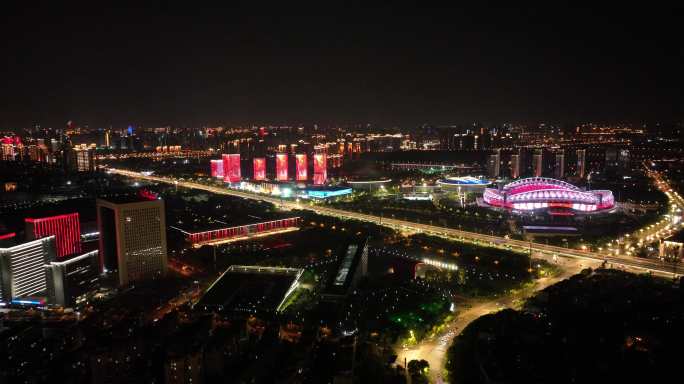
(341, 194)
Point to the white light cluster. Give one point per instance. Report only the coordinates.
(584, 207)
(529, 206)
(440, 264)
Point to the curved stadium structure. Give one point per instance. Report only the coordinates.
(544, 193)
(463, 184)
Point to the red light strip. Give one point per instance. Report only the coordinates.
(7, 236)
(226, 233)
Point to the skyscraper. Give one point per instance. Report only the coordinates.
(559, 167)
(132, 238)
(85, 160)
(65, 228)
(494, 164)
(537, 163)
(515, 166)
(581, 163)
(22, 268)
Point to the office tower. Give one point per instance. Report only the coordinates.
(537, 163)
(132, 238)
(65, 228)
(515, 166)
(559, 168)
(493, 164)
(73, 277)
(581, 163)
(85, 160)
(22, 268)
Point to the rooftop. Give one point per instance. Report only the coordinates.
(243, 288)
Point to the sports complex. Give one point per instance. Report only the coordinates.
(541, 193)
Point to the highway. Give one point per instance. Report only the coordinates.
(654, 266)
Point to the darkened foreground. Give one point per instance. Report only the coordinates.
(601, 326)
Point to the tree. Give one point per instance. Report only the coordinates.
(418, 370)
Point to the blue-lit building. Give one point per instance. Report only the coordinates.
(326, 192)
(465, 184)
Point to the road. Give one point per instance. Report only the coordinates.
(654, 266)
(433, 350)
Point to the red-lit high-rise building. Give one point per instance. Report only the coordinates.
(65, 228)
(259, 168)
(281, 166)
(302, 167)
(226, 167)
(231, 168)
(320, 168)
(217, 168)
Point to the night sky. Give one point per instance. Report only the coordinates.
(388, 66)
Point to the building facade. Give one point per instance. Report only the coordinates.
(73, 277)
(65, 228)
(132, 239)
(22, 269)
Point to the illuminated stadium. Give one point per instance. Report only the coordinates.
(544, 193)
(463, 184)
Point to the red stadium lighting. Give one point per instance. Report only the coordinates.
(550, 194)
(302, 167)
(65, 228)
